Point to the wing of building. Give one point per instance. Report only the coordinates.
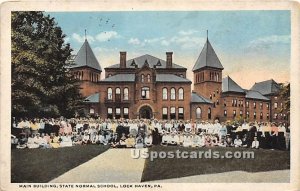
(151, 87)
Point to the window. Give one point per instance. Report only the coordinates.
(261, 115)
(267, 116)
(109, 94)
(173, 94)
(261, 105)
(217, 77)
(92, 110)
(209, 113)
(217, 91)
(198, 113)
(281, 105)
(109, 113)
(145, 93)
(142, 78)
(247, 104)
(247, 113)
(254, 105)
(214, 94)
(217, 102)
(225, 113)
(254, 115)
(165, 93)
(118, 94)
(180, 113)
(267, 105)
(118, 113)
(148, 78)
(180, 94)
(126, 94)
(275, 116)
(275, 98)
(234, 113)
(241, 113)
(210, 96)
(173, 113)
(224, 102)
(234, 103)
(165, 113)
(125, 113)
(275, 105)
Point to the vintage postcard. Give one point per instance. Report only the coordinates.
(143, 95)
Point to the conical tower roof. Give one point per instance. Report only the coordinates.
(86, 57)
(208, 58)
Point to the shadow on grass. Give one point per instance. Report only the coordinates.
(43, 165)
(264, 160)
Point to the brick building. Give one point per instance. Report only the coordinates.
(150, 87)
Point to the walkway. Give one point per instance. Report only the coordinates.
(114, 165)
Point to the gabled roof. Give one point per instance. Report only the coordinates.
(207, 58)
(266, 87)
(228, 85)
(170, 78)
(120, 78)
(94, 98)
(255, 95)
(86, 57)
(199, 99)
(139, 61)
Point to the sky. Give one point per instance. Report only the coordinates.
(252, 45)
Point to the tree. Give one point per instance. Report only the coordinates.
(41, 82)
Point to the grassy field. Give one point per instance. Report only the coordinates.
(43, 165)
(264, 160)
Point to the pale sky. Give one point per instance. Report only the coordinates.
(252, 45)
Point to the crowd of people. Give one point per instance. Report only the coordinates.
(140, 133)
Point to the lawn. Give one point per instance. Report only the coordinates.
(43, 165)
(264, 160)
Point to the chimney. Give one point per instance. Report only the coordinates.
(122, 59)
(169, 59)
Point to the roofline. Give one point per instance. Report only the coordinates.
(132, 68)
(107, 82)
(201, 103)
(229, 92)
(268, 100)
(207, 67)
(172, 82)
(76, 67)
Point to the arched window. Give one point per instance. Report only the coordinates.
(173, 94)
(118, 94)
(142, 78)
(165, 94)
(209, 113)
(217, 77)
(180, 94)
(148, 78)
(198, 113)
(126, 92)
(109, 94)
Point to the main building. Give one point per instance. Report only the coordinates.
(150, 87)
